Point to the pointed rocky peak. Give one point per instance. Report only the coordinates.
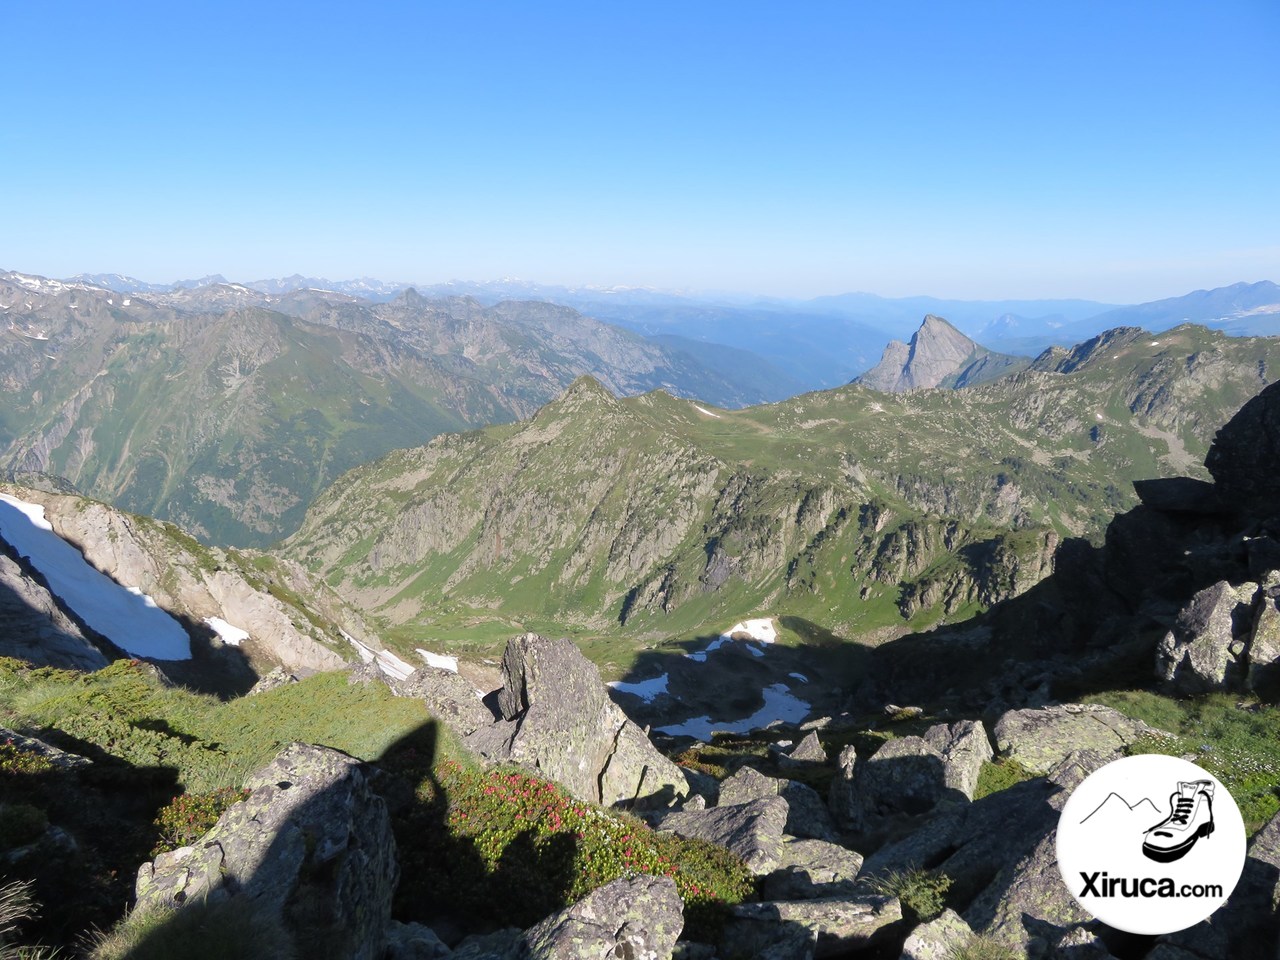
(938, 355)
(586, 391)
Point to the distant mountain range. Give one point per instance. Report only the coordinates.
(817, 343)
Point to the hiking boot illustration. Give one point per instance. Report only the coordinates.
(1190, 818)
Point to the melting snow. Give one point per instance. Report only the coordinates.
(706, 411)
(438, 660)
(760, 629)
(229, 634)
(387, 661)
(124, 615)
(799, 676)
(779, 704)
(646, 690)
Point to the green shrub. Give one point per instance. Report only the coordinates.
(505, 848)
(922, 893)
(982, 947)
(190, 816)
(17, 762)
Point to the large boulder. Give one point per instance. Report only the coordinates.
(842, 795)
(312, 845)
(638, 918)
(1204, 650)
(813, 870)
(906, 776)
(751, 830)
(939, 939)
(807, 816)
(964, 748)
(557, 719)
(1041, 738)
(838, 926)
(1244, 455)
(1264, 649)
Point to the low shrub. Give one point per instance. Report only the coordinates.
(999, 775)
(197, 931)
(504, 848)
(982, 947)
(922, 893)
(190, 816)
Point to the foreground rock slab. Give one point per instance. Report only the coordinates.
(1041, 738)
(837, 926)
(751, 830)
(312, 845)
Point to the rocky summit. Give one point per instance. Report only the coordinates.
(938, 355)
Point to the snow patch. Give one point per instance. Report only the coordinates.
(386, 661)
(230, 634)
(799, 676)
(438, 660)
(646, 690)
(706, 411)
(761, 630)
(779, 705)
(124, 615)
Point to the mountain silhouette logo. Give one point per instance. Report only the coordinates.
(1150, 844)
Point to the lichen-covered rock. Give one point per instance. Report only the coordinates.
(450, 698)
(1041, 738)
(964, 748)
(841, 926)
(938, 939)
(312, 844)
(1203, 651)
(807, 816)
(1264, 649)
(808, 751)
(272, 680)
(638, 918)
(842, 795)
(905, 776)
(558, 720)
(813, 869)
(751, 830)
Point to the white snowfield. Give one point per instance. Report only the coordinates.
(438, 660)
(386, 661)
(230, 634)
(646, 690)
(706, 411)
(123, 614)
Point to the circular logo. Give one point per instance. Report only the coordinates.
(1150, 844)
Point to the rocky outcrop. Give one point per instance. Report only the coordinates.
(964, 748)
(1244, 455)
(751, 830)
(837, 927)
(813, 870)
(1205, 650)
(558, 720)
(807, 816)
(905, 777)
(1040, 739)
(450, 698)
(312, 845)
(635, 917)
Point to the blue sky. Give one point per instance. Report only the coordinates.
(1114, 151)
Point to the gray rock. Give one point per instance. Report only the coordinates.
(813, 869)
(807, 816)
(842, 797)
(841, 926)
(937, 939)
(751, 830)
(964, 748)
(272, 680)
(506, 944)
(312, 844)
(906, 776)
(1264, 648)
(1244, 454)
(59, 758)
(637, 917)
(560, 722)
(450, 698)
(413, 941)
(1203, 651)
(809, 750)
(1041, 738)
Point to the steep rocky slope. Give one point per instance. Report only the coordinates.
(938, 355)
(291, 620)
(227, 410)
(849, 507)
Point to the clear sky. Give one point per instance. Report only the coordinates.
(1120, 151)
